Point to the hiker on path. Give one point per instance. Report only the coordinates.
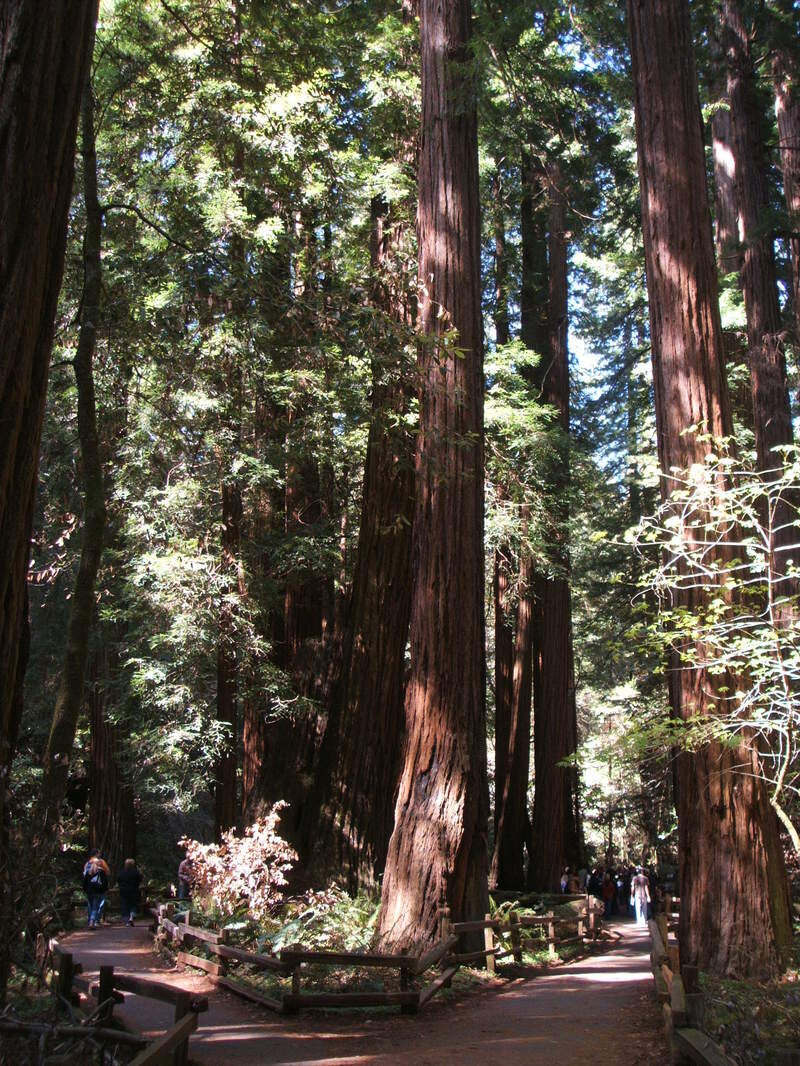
(185, 878)
(640, 895)
(129, 880)
(95, 884)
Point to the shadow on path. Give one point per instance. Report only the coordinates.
(601, 1008)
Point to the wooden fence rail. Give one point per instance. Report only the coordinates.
(681, 1003)
(296, 961)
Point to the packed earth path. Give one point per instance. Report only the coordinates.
(601, 1008)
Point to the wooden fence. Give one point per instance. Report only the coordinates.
(295, 962)
(681, 1001)
(170, 1049)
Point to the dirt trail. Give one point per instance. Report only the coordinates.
(599, 1009)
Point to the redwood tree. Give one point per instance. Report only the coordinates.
(554, 829)
(734, 899)
(439, 838)
(70, 696)
(361, 750)
(43, 62)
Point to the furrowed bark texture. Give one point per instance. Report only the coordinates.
(554, 829)
(786, 77)
(361, 751)
(43, 62)
(71, 693)
(734, 901)
(439, 839)
(771, 409)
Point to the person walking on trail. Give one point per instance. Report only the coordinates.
(185, 878)
(129, 880)
(95, 884)
(640, 895)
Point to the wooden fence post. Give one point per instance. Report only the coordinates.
(513, 928)
(661, 922)
(64, 976)
(444, 923)
(551, 935)
(488, 943)
(183, 1006)
(105, 991)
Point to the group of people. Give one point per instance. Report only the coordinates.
(625, 891)
(96, 881)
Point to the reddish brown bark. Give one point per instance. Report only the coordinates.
(43, 63)
(513, 743)
(734, 901)
(771, 410)
(554, 828)
(361, 750)
(439, 838)
(726, 207)
(786, 77)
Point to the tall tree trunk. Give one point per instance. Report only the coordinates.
(363, 738)
(554, 830)
(734, 899)
(501, 330)
(503, 686)
(440, 833)
(786, 77)
(726, 205)
(511, 782)
(44, 54)
(70, 695)
(112, 816)
(226, 804)
(771, 409)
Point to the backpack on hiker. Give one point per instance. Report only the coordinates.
(95, 880)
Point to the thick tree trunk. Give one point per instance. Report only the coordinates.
(786, 77)
(772, 416)
(43, 63)
(554, 830)
(361, 751)
(440, 834)
(70, 695)
(112, 816)
(734, 900)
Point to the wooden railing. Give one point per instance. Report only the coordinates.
(681, 1002)
(295, 962)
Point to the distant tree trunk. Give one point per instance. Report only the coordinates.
(501, 330)
(786, 77)
(734, 900)
(726, 232)
(440, 834)
(226, 804)
(43, 62)
(503, 689)
(772, 416)
(513, 744)
(554, 830)
(361, 750)
(71, 693)
(504, 848)
(112, 816)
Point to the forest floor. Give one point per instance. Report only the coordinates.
(601, 1008)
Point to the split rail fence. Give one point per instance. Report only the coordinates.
(295, 962)
(169, 1049)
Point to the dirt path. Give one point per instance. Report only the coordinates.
(600, 1009)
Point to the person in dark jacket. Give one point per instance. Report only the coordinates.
(95, 884)
(129, 880)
